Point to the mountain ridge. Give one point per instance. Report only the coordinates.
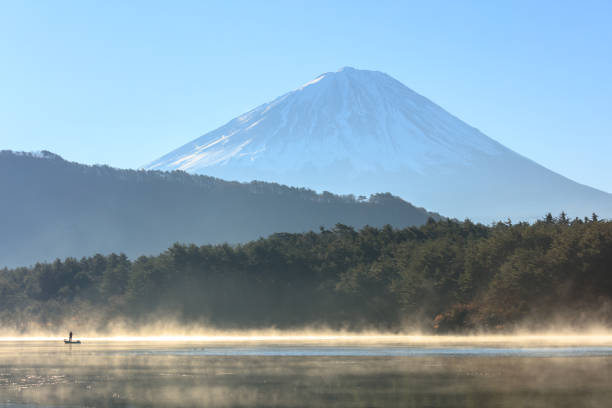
(53, 208)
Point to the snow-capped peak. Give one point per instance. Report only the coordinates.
(365, 118)
(363, 132)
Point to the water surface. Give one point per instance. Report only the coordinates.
(304, 374)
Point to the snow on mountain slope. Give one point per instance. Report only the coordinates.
(361, 132)
(365, 117)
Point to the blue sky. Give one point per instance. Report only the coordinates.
(122, 83)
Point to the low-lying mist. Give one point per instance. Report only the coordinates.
(168, 365)
(168, 331)
(119, 374)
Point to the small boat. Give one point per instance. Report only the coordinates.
(70, 341)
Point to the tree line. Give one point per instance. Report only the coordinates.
(444, 276)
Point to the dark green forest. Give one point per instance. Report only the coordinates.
(444, 276)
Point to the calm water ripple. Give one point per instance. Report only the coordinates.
(383, 351)
(180, 374)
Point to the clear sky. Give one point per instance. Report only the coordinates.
(123, 82)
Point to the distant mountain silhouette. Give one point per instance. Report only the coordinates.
(359, 131)
(53, 208)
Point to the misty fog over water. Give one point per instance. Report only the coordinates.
(315, 371)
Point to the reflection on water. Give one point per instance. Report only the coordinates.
(335, 351)
(166, 374)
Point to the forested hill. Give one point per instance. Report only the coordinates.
(52, 208)
(444, 276)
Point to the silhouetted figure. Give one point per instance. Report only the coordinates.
(70, 341)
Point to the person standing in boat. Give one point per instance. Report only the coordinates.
(70, 337)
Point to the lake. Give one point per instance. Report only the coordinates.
(307, 372)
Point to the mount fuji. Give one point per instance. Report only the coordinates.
(363, 132)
